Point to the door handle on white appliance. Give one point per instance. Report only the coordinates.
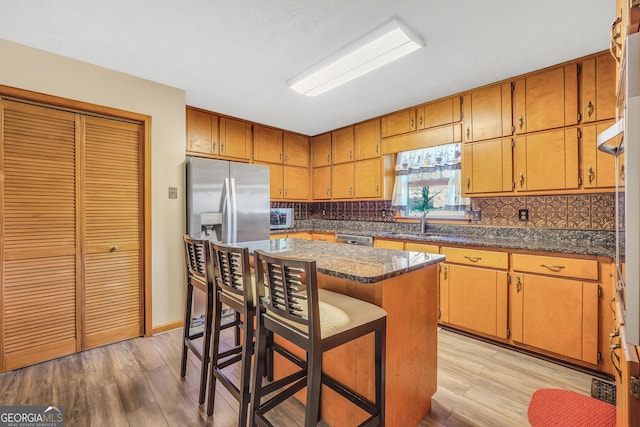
(234, 213)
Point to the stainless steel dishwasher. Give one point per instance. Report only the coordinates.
(352, 239)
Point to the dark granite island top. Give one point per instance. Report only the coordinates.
(356, 263)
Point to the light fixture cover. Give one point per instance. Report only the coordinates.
(384, 44)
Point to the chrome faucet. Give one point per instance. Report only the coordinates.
(423, 222)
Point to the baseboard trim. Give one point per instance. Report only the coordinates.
(166, 327)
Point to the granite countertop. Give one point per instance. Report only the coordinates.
(357, 263)
(577, 242)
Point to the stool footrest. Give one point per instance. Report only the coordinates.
(349, 394)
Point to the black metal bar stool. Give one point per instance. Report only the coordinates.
(315, 320)
(233, 287)
(197, 278)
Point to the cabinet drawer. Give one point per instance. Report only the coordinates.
(556, 266)
(421, 247)
(478, 258)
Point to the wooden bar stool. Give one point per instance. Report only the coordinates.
(234, 287)
(315, 320)
(197, 278)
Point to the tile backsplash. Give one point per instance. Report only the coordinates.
(573, 212)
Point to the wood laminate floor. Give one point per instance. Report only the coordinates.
(137, 383)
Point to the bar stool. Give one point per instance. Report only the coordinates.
(315, 320)
(234, 288)
(198, 278)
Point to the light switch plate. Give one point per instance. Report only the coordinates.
(173, 192)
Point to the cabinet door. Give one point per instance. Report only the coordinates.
(399, 122)
(478, 299)
(440, 113)
(547, 161)
(202, 132)
(388, 244)
(598, 168)
(487, 167)
(547, 100)
(235, 138)
(321, 150)
(443, 293)
(296, 150)
(598, 101)
(342, 181)
(367, 139)
(267, 144)
(296, 183)
(276, 179)
(368, 178)
(488, 113)
(322, 183)
(342, 145)
(560, 315)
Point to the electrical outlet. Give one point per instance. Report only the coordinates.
(476, 215)
(173, 192)
(523, 215)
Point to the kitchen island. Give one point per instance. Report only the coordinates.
(404, 284)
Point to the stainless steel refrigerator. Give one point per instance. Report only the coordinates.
(227, 202)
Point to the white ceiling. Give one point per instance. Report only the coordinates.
(234, 56)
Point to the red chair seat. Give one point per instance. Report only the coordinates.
(554, 407)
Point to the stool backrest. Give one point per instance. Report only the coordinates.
(233, 272)
(292, 288)
(196, 259)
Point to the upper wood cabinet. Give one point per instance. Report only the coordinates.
(342, 145)
(235, 138)
(267, 144)
(487, 166)
(367, 139)
(546, 100)
(368, 178)
(399, 122)
(296, 150)
(296, 183)
(547, 161)
(598, 168)
(342, 178)
(598, 101)
(276, 180)
(487, 113)
(321, 183)
(439, 113)
(202, 132)
(321, 150)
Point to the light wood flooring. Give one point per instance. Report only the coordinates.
(137, 383)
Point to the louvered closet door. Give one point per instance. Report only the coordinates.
(112, 224)
(38, 234)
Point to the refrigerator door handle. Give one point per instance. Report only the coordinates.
(234, 212)
(226, 211)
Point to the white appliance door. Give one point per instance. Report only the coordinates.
(252, 201)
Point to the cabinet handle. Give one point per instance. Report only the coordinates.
(518, 284)
(420, 123)
(214, 147)
(113, 249)
(280, 156)
(520, 121)
(412, 124)
(351, 191)
(286, 158)
(473, 258)
(521, 179)
(444, 273)
(622, 173)
(377, 189)
(350, 154)
(285, 192)
(328, 158)
(590, 174)
(468, 133)
(221, 148)
(468, 183)
(377, 148)
(589, 109)
(327, 192)
(552, 267)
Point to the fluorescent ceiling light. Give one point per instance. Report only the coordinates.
(373, 50)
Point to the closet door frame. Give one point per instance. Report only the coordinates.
(81, 107)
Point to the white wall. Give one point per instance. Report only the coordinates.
(39, 71)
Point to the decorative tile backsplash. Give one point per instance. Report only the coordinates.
(573, 212)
